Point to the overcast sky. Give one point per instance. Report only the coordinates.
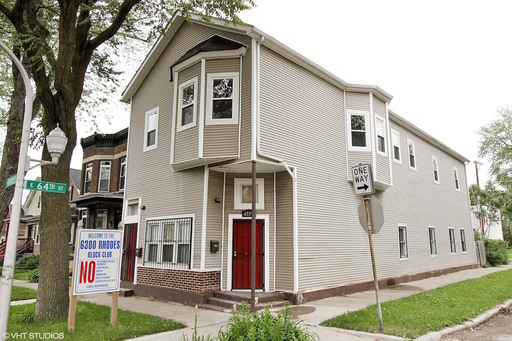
(447, 64)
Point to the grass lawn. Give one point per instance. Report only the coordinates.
(432, 310)
(92, 323)
(21, 293)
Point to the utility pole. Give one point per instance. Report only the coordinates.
(480, 213)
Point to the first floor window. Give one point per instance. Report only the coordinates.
(402, 240)
(432, 241)
(453, 249)
(168, 243)
(101, 218)
(463, 240)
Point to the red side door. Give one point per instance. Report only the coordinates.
(129, 243)
(242, 254)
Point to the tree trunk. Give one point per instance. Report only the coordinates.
(55, 224)
(11, 151)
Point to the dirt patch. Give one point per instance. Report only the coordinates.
(498, 328)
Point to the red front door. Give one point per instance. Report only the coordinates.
(242, 254)
(129, 244)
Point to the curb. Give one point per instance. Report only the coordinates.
(434, 336)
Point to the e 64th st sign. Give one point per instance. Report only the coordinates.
(363, 179)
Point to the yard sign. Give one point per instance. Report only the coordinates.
(98, 261)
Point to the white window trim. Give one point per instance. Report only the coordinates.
(88, 166)
(435, 241)
(366, 115)
(456, 179)
(393, 145)
(181, 127)
(149, 113)
(454, 241)
(434, 170)
(99, 176)
(209, 98)
(381, 120)
(406, 242)
(260, 202)
(465, 241)
(410, 142)
(131, 219)
(123, 162)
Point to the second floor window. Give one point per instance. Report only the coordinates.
(104, 176)
(412, 154)
(151, 130)
(456, 178)
(381, 133)
(222, 98)
(358, 131)
(435, 168)
(395, 136)
(122, 173)
(88, 178)
(187, 104)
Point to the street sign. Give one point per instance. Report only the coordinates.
(11, 181)
(45, 186)
(376, 215)
(98, 261)
(363, 179)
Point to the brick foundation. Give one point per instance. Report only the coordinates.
(196, 282)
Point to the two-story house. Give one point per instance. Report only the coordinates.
(207, 102)
(103, 180)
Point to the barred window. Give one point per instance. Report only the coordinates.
(168, 243)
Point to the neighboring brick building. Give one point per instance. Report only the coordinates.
(103, 178)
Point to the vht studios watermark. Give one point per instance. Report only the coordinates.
(34, 336)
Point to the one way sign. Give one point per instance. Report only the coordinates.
(363, 179)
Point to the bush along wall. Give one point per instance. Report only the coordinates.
(496, 252)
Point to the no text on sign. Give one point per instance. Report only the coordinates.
(11, 181)
(45, 186)
(98, 261)
(363, 179)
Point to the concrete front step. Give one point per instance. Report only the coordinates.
(226, 301)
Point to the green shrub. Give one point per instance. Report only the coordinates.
(28, 262)
(496, 252)
(246, 326)
(33, 276)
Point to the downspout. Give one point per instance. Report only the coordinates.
(256, 145)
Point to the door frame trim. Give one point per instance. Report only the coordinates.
(266, 221)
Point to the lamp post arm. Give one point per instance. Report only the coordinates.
(10, 252)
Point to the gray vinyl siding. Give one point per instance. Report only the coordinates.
(214, 219)
(221, 140)
(356, 101)
(187, 141)
(382, 162)
(150, 176)
(269, 210)
(284, 232)
(332, 246)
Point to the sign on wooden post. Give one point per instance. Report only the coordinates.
(97, 268)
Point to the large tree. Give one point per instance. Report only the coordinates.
(60, 38)
(496, 146)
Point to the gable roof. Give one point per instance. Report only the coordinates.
(75, 175)
(252, 32)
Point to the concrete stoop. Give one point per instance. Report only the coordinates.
(226, 301)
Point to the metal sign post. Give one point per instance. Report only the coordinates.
(375, 281)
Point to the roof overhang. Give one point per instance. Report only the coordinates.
(98, 198)
(252, 32)
(245, 166)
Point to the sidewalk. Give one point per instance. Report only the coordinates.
(311, 313)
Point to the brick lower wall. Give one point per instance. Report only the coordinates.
(188, 281)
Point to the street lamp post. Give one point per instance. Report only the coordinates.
(56, 142)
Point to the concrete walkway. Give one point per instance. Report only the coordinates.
(311, 314)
